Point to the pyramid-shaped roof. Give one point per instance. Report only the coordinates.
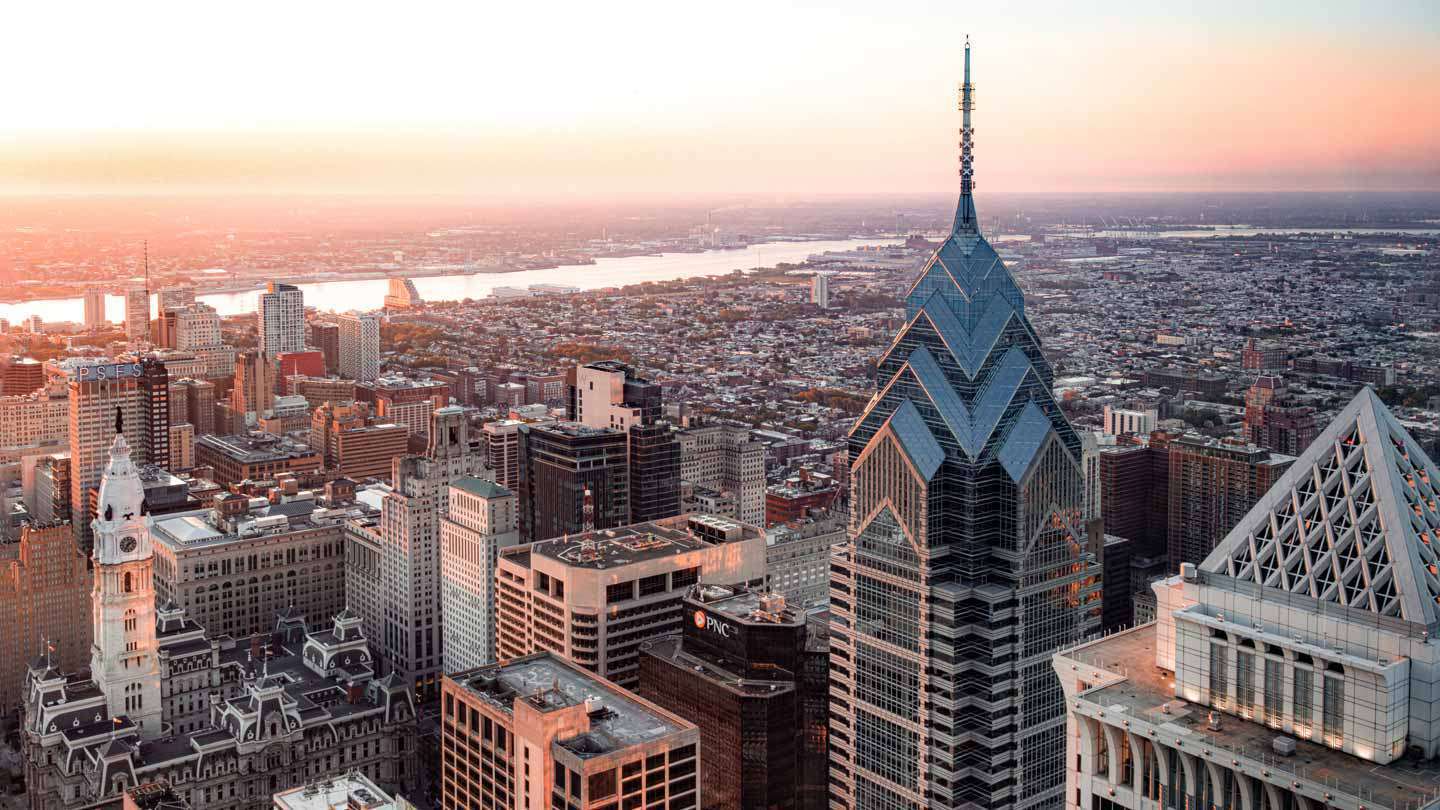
(1355, 521)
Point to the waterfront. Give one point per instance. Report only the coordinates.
(368, 294)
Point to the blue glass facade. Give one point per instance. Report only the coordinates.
(968, 565)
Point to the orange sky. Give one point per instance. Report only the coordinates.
(589, 99)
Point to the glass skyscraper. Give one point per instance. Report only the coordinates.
(968, 565)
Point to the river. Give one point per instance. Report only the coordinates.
(343, 296)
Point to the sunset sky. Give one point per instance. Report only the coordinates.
(513, 100)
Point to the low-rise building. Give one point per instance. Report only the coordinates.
(254, 456)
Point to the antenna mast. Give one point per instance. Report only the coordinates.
(966, 214)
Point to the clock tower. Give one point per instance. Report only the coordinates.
(124, 661)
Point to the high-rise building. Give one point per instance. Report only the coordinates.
(448, 446)
(353, 447)
(1292, 667)
(325, 337)
(1130, 420)
(175, 297)
(654, 472)
(34, 419)
(594, 597)
(483, 520)
(797, 557)
(1275, 420)
(546, 733)
(254, 457)
(725, 459)
(20, 375)
(45, 601)
(137, 315)
(199, 403)
(95, 309)
(104, 398)
(412, 647)
(1212, 485)
(969, 564)
(254, 391)
(280, 319)
(608, 394)
(154, 413)
(407, 401)
(820, 290)
(747, 672)
(358, 346)
(502, 451)
(573, 479)
(182, 446)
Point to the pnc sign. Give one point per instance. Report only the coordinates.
(705, 621)
(113, 371)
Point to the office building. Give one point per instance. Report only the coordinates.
(358, 346)
(309, 363)
(1188, 380)
(181, 446)
(102, 398)
(510, 394)
(35, 419)
(797, 557)
(968, 564)
(1275, 420)
(540, 732)
(594, 597)
(1267, 356)
(483, 519)
(154, 387)
(405, 401)
(548, 389)
(94, 306)
(448, 448)
(266, 713)
(254, 457)
(280, 319)
(654, 472)
(1294, 666)
(175, 297)
(199, 401)
(820, 290)
(351, 445)
(137, 315)
(573, 479)
(745, 671)
(319, 390)
(608, 394)
(723, 458)
(45, 601)
(21, 375)
(51, 490)
(1135, 495)
(1130, 420)
(403, 295)
(254, 391)
(502, 450)
(237, 563)
(1212, 485)
(325, 337)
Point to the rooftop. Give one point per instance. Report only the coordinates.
(640, 542)
(618, 719)
(255, 447)
(480, 487)
(351, 791)
(1147, 693)
(744, 605)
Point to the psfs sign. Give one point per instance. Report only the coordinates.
(705, 621)
(113, 371)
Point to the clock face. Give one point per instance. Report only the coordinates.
(127, 545)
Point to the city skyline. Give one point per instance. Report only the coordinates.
(792, 100)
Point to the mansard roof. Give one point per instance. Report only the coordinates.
(1355, 521)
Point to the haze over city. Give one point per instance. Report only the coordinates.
(525, 101)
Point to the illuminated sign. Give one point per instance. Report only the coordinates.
(114, 371)
(705, 621)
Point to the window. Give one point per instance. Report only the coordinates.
(658, 583)
(619, 592)
(1274, 691)
(1219, 675)
(1334, 717)
(1245, 683)
(1303, 700)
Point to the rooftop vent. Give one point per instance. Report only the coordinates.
(1284, 746)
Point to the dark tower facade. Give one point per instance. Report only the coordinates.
(572, 479)
(968, 565)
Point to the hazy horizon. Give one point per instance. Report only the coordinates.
(506, 102)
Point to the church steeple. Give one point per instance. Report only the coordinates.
(965, 221)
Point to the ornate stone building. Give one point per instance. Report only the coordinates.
(226, 722)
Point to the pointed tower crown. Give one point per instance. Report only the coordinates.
(1355, 521)
(121, 492)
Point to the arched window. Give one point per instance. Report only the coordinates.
(127, 582)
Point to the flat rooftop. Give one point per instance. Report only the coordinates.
(351, 791)
(618, 718)
(197, 528)
(256, 447)
(1148, 689)
(640, 542)
(746, 606)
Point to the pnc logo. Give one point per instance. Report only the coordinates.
(705, 621)
(700, 619)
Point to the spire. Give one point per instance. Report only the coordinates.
(965, 218)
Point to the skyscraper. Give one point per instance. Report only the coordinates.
(573, 479)
(280, 319)
(325, 336)
(359, 346)
(137, 314)
(100, 395)
(176, 297)
(94, 309)
(820, 291)
(1212, 485)
(968, 565)
(483, 519)
(254, 391)
(45, 599)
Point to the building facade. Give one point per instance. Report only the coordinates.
(724, 459)
(968, 564)
(594, 597)
(1295, 666)
(545, 733)
(357, 346)
(45, 599)
(573, 479)
(1212, 484)
(483, 520)
(280, 319)
(137, 315)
